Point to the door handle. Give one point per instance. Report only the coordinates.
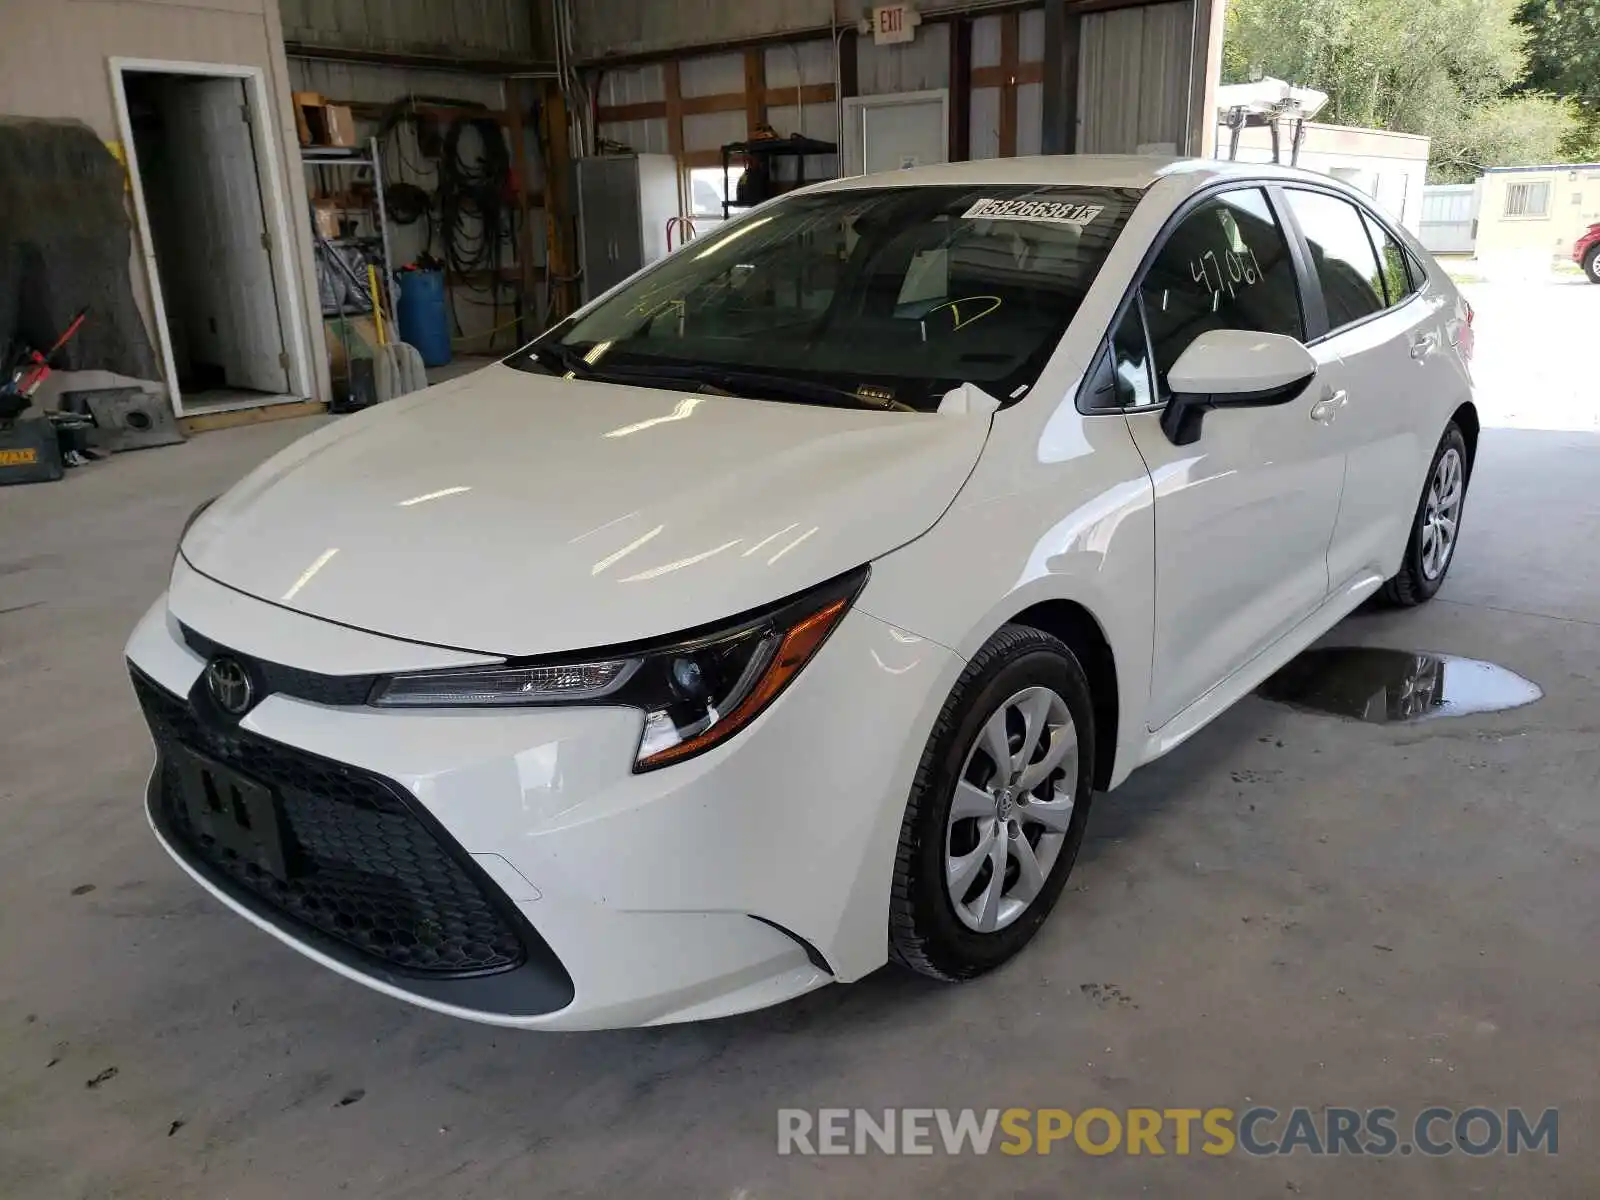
(1328, 407)
(1421, 344)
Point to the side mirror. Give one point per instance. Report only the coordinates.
(1232, 368)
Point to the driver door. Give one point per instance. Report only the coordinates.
(1244, 515)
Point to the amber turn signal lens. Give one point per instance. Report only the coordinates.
(796, 649)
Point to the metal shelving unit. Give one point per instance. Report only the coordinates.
(772, 150)
(341, 156)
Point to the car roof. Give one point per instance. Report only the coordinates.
(1137, 171)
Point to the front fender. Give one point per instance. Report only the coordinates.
(1080, 529)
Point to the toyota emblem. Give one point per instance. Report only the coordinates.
(230, 685)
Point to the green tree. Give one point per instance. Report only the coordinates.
(1564, 48)
(1438, 67)
(1564, 57)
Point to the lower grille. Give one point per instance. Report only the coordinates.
(360, 863)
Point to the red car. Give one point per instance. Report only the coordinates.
(1586, 251)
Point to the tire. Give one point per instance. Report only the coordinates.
(1591, 264)
(1421, 575)
(930, 930)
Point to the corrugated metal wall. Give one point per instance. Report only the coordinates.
(634, 85)
(608, 28)
(603, 28)
(815, 65)
(1133, 87)
(496, 29)
(915, 66)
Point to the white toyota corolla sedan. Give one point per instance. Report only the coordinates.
(778, 614)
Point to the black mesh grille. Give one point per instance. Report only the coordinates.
(362, 866)
(289, 681)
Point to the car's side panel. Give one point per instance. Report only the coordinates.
(1385, 431)
(1402, 375)
(1230, 690)
(1060, 515)
(1243, 518)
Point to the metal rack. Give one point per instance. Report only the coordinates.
(796, 146)
(342, 156)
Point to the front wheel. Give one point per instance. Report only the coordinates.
(1591, 264)
(997, 811)
(1436, 527)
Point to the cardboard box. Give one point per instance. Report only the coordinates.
(302, 121)
(323, 124)
(339, 125)
(325, 215)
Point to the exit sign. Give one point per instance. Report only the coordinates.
(893, 23)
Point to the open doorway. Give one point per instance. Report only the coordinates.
(211, 221)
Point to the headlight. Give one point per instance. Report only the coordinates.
(695, 690)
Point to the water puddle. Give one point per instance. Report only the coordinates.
(1388, 686)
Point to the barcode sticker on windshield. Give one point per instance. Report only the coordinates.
(1052, 211)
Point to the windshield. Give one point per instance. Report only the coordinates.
(883, 297)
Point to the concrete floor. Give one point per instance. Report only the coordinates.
(1288, 910)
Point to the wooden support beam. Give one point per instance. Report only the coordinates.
(672, 88)
(1009, 66)
(442, 112)
(810, 93)
(519, 159)
(561, 224)
(960, 89)
(849, 85)
(1026, 72)
(645, 110)
(1063, 50)
(649, 110)
(721, 102)
(207, 422)
(755, 89)
(673, 108)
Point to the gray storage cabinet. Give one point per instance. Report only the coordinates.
(624, 204)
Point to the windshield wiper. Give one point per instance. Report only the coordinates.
(761, 384)
(561, 358)
(788, 388)
(726, 381)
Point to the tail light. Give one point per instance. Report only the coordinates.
(1468, 338)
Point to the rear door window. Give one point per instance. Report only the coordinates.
(1342, 255)
(1397, 280)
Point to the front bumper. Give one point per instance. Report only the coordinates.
(740, 878)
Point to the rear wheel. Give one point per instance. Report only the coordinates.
(997, 811)
(1591, 264)
(1436, 526)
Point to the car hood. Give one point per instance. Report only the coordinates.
(519, 514)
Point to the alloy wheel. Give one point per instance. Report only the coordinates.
(1011, 810)
(1442, 514)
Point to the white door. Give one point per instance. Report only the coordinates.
(237, 324)
(893, 133)
(1243, 514)
(1391, 342)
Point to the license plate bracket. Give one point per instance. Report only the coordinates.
(235, 811)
